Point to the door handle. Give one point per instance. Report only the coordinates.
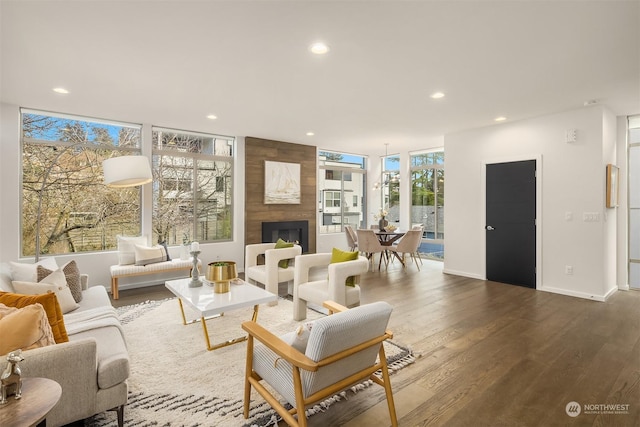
(489, 228)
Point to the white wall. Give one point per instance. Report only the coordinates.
(573, 181)
(97, 264)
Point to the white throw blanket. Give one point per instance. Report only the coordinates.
(99, 317)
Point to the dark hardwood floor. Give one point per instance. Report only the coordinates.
(490, 354)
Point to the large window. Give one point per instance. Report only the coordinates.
(192, 190)
(427, 200)
(634, 202)
(341, 179)
(65, 205)
(391, 187)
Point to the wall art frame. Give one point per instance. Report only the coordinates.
(281, 183)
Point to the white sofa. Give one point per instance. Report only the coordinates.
(92, 367)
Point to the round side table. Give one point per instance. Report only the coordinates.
(39, 396)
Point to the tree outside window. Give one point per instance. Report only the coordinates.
(62, 178)
(202, 210)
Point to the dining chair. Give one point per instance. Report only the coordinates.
(369, 244)
(352, 237)
(408, 245)
(421, 228)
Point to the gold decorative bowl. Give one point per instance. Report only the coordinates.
(220, 273)
(391, 228)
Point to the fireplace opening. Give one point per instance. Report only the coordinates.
(290, 231)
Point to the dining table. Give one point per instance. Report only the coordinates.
(387, 238)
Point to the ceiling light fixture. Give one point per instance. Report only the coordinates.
(437, 95)
(310, 133)
(500, 119)
(319, 48)
(212, 117)
(60, 90)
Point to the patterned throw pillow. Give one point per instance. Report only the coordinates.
(50, 304)
(24, 328)
(280, 244)
(338, 255)
(151, 255)
(72, 276)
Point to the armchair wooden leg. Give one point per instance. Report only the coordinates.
(248, 371)
(297, 384)
(387, 388)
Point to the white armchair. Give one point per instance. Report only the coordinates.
(269, 274)
(327, 285)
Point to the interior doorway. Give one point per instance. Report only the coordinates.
(511, 222)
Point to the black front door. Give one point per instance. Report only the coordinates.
(511, 223)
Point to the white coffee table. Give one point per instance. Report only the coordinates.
(208, 304)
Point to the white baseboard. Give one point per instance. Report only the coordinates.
(583, 295)
(463, 274)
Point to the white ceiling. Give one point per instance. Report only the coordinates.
(173, 63)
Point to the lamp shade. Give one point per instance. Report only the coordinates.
(126, 171)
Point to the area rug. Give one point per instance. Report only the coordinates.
(175, 381)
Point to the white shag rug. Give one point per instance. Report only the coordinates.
(176, 381)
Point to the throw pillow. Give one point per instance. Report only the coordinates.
(50, 304)
(24, 328)
(49, 284)
(150, 255)
(300, 337)
(126, 248)
(27, 272)
(72, 278)
(338, 255)
(280, 244)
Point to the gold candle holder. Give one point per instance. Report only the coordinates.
(220, 273)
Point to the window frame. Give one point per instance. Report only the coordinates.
(76, 149)
(341, 174)
(196, 159)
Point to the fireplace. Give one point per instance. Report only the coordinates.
(289, 231)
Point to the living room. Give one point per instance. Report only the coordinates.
(563, 78)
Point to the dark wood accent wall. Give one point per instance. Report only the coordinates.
(258, 150)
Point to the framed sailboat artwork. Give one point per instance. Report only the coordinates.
(281, 183)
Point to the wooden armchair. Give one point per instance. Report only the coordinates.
(342, 350)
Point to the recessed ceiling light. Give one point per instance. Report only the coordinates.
(319, 48)
(437, 95)
(500, 119)
(60, 90)
(310, 133)
(212, 117)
